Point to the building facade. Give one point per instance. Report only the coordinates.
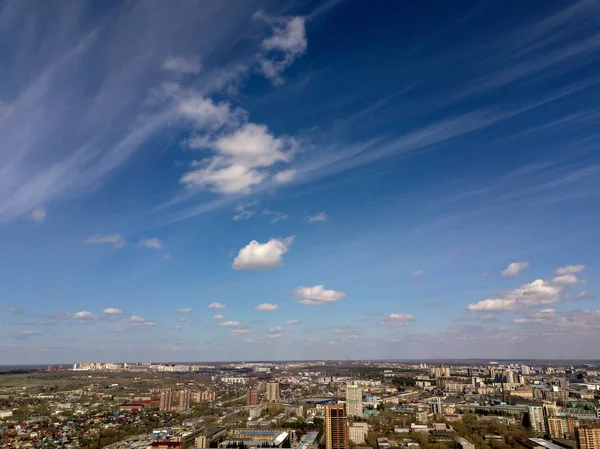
(166, 398)
(357, 432)
(588, 437)
(273, 391)
(354, 400)
(252, 397)
(555, 428)
(336, 427)
(536, 418)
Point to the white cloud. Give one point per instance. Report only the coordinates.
(167, 256)
(318, 218)
(292, 322)
(567, 279)
(218, 317)
(184, 319)
(113, 311)
(317, 295)
(275, 215)
(266, 307)
(284, 176)
(138, 321)
(275, 336)
(83, 315)
(181, 64)
(152, 243)
(570, 269)
(38, 214)
(418, 273)
(262, 256)
(239, 331)
(241, 160)
(398, 320)
(116, 240)
(230, 324)
(514, 268)
(287, 42)
(275, 329)
(537, 317)
(536, 293)
(27, 333)
(207, 115)
(185, 310)
(177, 328)
(216, 305)
(243, 213)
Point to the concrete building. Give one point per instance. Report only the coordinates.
(184, 399)
(252, 397)
(358, 432)
(588, 437)
(273, 391)
(336, 427)
(550, 409)
(166, 398)
(554, 426)
(465, 444)
(536, 418)
(354, 400)
(421, 417)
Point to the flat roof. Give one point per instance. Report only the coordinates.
(545, 443)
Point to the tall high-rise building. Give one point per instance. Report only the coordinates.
(571, 424)
(555, 427)
(273, 391)
(165, 400)
(208, 396)
(252, 397)
(510, 377)
(536, 418)
(588, 437)
(184, 399)
(354, 400)
(525, 370)
(336, 427)
(550, 409)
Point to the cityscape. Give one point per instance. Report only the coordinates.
(303, 405)
(299, 224)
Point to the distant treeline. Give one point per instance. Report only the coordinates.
(18, 371)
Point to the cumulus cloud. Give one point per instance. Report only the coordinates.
(292, 322)
(534, 294)
(262, 256)
(566, 279)
(184, 319)
(239, 331)
(185, 310)
(182, 64)
(116, 240)
(206, 115)
(275, 329)
(317, 295)
(216, 305)
(318, 217)
(83, 315)
(570, 269)
(218, 317)
(112, 311)
(398, 320)
(275, 336)
(514, 268)
(266, 307)
(38, 214)
(241, 160)
(230, 324)
(138, 321)
(152, 243)
(286, 43)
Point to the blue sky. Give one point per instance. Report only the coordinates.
(213, 180)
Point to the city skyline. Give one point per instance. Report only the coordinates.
(290, 180)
